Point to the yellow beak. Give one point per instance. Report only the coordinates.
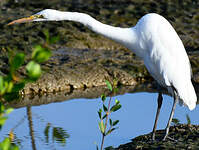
(22, 20)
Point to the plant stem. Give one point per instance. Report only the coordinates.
(103, 136)
(106, 121)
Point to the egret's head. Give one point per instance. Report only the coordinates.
(44, 15)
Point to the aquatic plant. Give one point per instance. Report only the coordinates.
(105, 112)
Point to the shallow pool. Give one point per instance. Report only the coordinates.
(77, 120)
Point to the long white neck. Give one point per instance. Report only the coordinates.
(124, 36)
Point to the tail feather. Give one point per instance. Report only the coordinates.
(188, 95)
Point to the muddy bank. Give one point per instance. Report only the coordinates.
(89, 93)
(70, 69)
(184, 16)
(186, 137)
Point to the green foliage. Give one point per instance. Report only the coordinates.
(108, 84)
(41, 54)
(116, 107)
(18, 86)
(103, 97)
(11, 84)
(7, 144)
(3, 114)
(175, 121)
(33, 70)
(188, 119)
(50, 40)
(16, 62)
(106, 110)
(102, 127)
(100, 113)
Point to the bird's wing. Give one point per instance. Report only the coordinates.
(174, 62)
(169, 64)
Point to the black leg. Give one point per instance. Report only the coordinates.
(171, 115)
(157, 114)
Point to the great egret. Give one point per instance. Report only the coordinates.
(154, 40)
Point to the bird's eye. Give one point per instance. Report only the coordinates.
(37, 16)
(40, 16)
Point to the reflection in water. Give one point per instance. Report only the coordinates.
(52, 134)
(59, 135)
(95, 92)
(79, 118)
(30, 123)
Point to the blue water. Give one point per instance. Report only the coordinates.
(79, 119)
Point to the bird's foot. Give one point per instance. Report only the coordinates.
(153, 137)
(166, 137)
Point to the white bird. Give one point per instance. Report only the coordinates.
(154, 40)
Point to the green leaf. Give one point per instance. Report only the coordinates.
(40, 54)
(110, 122)
(175, 121)
(115, 90)
(115, 122)
(109, 131)
(2, 120)
(117, 102)
(2, 108)
(1, 83)
(33, 70)
(9, 87)
(101, 126)
(100, 113)
(17, 61)
(47, 35)
(115, 107)
(188, 119)
(105, 108)
(15, 147)
(104, 116)
(11, 96)
(3, 90)
(36, 50)
(103, 97)
(9, 110)
(18, 86)
(54, 39)
(5, 145)
(108, 84)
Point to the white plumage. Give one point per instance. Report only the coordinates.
(165, 57)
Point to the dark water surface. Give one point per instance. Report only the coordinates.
(77, 120)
